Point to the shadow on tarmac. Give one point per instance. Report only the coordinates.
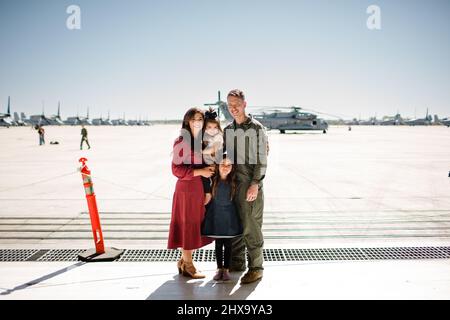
(182, 288)
(42, 279)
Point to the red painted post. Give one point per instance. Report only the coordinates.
(92, 205)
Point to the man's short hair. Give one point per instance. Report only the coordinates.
(236, 93)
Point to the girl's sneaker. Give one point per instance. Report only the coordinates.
(225, 275)
(218, 275)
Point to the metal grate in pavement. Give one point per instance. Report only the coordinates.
(328, 254)
(405, 253)
(445, 249)
(13, 255)
(150, 255)
(206, 255)
(274, 255)
(61, 255)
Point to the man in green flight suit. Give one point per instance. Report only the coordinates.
(245, 141)
(84, 137)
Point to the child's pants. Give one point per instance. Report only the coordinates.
(223, 258)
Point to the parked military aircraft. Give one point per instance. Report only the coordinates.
(42, 119)
(79, 120)
(102, 122)
(289, 118)
(18, 121)
(56, 119)
(24, 118)
(421, 121)
(392, 121)
(445, 121)
(120, 122)
(5, 118)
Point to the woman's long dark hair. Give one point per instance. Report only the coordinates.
(231, 180)
(188, 116)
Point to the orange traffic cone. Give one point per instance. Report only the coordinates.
(99, 253)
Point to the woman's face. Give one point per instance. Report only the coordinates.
(225, 167)
(196, 123)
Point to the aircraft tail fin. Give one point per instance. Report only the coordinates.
(16, 117)
(9, 106)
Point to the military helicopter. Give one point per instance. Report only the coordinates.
(293, 119)
(289, 118)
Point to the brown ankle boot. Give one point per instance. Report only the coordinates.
(180, 265)
(190, 271)
(252, 276)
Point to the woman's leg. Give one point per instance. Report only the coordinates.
(188, 266)
(187, 255)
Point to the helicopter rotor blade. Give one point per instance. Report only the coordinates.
(267, 107)
(329, 114)
(280, 108)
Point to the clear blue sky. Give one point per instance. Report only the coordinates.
(157, 58)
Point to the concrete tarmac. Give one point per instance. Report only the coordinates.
(369, 187)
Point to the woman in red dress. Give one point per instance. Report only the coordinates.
(188, 206)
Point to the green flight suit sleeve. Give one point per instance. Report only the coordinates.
(259, 171)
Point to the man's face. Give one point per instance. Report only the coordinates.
(236, 106)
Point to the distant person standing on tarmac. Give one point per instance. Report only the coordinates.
(41, 133)
(84, 137)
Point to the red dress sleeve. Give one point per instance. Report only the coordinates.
(181, 167)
